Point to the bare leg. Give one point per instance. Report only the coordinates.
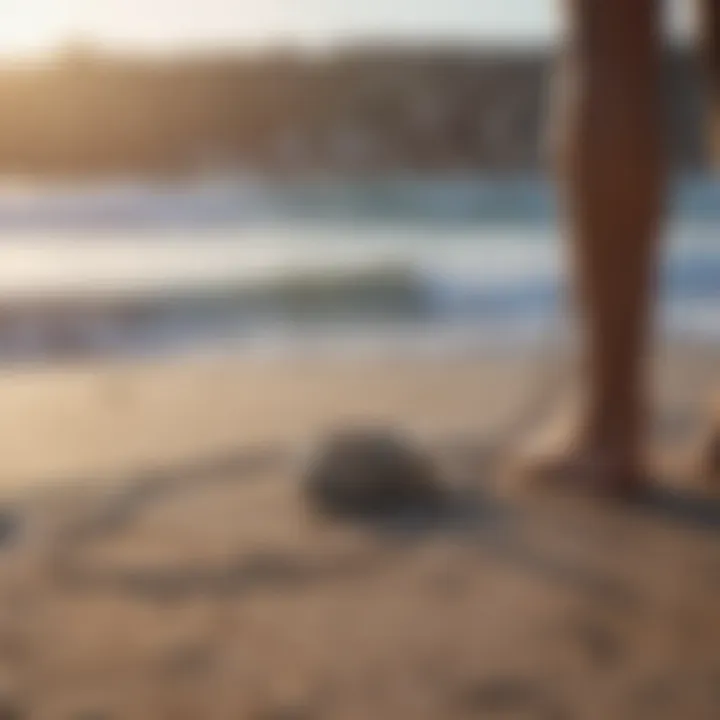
(612, 187)
(709, 29)
(709, 26)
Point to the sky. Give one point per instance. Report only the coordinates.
(30, 26)
(37, 25)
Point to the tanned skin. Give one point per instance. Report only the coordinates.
(709, 24)
(611, 173)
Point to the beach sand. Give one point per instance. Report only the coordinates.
(161, 562)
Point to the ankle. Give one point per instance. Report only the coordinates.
(617, 435)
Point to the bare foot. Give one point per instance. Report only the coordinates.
(566, 463)
(573, 473)
(707, 458)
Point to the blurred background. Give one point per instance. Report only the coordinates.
(301, 176)
(227, 226)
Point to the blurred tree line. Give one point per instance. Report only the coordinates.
(363, 110)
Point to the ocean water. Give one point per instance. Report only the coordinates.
(430, 266)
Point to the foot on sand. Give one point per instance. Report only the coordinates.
(576, 473)
(558, 463)
(707, 458)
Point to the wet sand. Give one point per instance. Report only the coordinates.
(163, 564)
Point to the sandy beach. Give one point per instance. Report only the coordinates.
(158, 560)
(289, 291)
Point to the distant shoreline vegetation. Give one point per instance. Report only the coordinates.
(355, 112)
